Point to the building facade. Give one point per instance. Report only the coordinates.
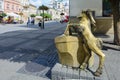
(56, 8)
(25, 5)
(25, 9)
(1, 5)
(32, 9)
(55, 13)
(12, 6)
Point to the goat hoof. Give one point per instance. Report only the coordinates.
(98, 73)
(83, 66)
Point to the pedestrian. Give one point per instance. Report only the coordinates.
(28, 22)
(33, 21)
(40, 24)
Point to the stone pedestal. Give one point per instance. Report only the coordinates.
(61, 72)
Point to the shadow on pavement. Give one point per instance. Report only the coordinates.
(24, 46)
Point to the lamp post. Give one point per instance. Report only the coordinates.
(43, 19)
(43, 8)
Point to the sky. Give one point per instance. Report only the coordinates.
(40, 2)
(36, 2)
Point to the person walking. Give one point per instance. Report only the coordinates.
(40, 24)
(28, 22)
(33, 21)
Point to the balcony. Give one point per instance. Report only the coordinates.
(26, 5)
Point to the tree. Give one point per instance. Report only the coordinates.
(115, 5)
(3, 14)
(32, 15)
(43, 8)
(46, 15)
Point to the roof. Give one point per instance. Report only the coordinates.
(33, 5)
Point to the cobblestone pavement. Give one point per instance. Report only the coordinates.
(28, 53)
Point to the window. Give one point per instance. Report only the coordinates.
(0, 5)
(51, 12)
(57, 13)
(12, 7)
(19, 9)
(16, 8)
(59, 6)
(8, 6)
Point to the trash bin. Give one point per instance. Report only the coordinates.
(67, 47)
(70, 50)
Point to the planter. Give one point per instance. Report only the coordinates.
(104, 25)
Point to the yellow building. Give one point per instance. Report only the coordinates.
(25, 9)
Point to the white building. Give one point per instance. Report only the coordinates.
(32, 9)
(52, 4)
(57, 8)
(55, 13)
(1, 5)
(76, 6)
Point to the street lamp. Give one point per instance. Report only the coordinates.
(43, 8)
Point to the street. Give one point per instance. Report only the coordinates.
(28, 53)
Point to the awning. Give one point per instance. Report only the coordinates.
(38, 17)
(13, 14)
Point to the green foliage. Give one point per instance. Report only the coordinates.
(3, 14)
(32, 15)
(46, 15)
(43, 7)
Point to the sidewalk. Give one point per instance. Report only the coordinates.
(112, 64)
